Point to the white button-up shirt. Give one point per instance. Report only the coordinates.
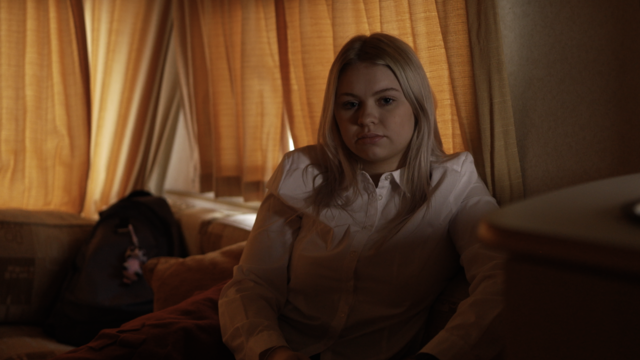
(334, 285)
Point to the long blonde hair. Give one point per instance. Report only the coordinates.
(339, 166)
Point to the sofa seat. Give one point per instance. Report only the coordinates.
(37, 249)
(20, 342)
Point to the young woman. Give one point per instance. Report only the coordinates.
(360, 233)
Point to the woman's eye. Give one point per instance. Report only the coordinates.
(386, 101)
(349, 104)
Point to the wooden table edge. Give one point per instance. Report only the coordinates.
(559, 249)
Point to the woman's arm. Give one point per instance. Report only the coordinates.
(250, 303)
(474, 330)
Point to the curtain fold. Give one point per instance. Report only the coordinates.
(193, 76)
(44, 105)
(167, 116)
(127, 42)
(228, 55)
(501, 171)
(305, 38)
(452, 15)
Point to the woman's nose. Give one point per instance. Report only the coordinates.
(367, 116)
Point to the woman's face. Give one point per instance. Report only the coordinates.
(375, 119)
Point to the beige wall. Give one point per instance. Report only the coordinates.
(574, 75)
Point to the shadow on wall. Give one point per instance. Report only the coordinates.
(575, 88)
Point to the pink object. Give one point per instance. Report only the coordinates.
(135, 258)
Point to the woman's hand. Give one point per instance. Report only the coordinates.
(284, 353)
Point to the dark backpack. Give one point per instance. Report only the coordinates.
(96, 294)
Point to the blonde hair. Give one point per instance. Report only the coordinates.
(338, 165)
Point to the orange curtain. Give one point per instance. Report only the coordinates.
(496, 137)
(167, 119)
(229, 66)
(128, 42)
(44, 105)
(306, 53)
(244, 73)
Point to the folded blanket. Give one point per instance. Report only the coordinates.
(189, 330)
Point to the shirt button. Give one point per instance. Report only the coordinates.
(388, 177)
(379, 197)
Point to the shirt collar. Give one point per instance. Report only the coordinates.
(397, 176)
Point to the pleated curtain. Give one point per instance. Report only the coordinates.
(230, 67)
(128, 42)
(494, 132)
(44, 105)
(91, 92)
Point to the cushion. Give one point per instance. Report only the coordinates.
(226, 231)
(36, 250)
(207, 229)
(194, 223)
(189, 330)
(175, 279)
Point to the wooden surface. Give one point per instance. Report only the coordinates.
(572, 274)
(583, 224)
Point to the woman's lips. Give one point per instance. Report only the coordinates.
(369, 138)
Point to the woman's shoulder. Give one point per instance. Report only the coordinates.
(303, 157)
(455, 178)
(454, 171)
(460, 162)
(298, 172)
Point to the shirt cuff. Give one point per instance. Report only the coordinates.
(262, 342)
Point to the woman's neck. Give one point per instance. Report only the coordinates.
(375, 178)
